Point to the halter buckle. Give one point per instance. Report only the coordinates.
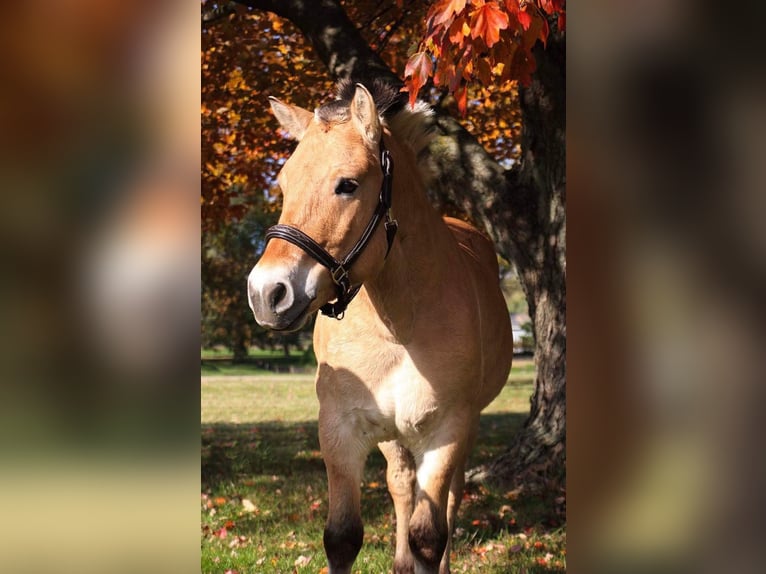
(340, 276)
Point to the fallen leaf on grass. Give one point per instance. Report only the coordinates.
(248, 506)
(302, 561)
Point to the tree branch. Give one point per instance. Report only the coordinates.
(336, 40)
(219, 11)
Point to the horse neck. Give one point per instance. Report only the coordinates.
(411, 268)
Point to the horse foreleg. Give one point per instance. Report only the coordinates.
(400, 476)
(344, 531)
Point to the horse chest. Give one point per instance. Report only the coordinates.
(376, 405)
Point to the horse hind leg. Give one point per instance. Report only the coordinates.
(430, 524)
(455, 498)
(401, 479)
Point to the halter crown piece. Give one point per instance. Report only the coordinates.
(339, 269)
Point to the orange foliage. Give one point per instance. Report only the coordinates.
(250, 55)
(481, 41)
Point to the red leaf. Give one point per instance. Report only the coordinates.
(444, 10)
(461, 97)
(484, 71)
(222, 533)
(457, 31)
(525, 19)
(552, 6)
(446, 74)
(544, 31)
(418, 69)
(487, 21)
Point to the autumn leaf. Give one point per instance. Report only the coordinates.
(525, 19)
(552, 6)
(458, 30)
(487, 21)
(461, 96)
(484, 71)
(444, 10)
(418, 69)
(446, 75)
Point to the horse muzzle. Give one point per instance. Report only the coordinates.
(277, 303)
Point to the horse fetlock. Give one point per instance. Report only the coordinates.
(404, 565)
(342, 542)
(428, 539)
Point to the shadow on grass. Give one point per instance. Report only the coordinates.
(270, 457)
(235, 452)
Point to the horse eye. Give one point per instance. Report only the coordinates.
(346, 187)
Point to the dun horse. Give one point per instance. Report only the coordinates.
(425, 343)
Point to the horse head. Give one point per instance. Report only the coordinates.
(331, 188)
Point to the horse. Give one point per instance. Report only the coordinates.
(425, 341)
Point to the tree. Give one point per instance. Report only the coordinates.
(518, 198)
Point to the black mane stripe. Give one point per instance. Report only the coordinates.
(388, 100)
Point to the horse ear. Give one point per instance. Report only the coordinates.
(292, 118)
(364, 114)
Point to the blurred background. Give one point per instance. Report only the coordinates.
(99, 169)
(100, 338)
(666, 108)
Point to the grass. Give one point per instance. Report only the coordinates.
(264, 496)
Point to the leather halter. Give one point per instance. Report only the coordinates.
(339, 269)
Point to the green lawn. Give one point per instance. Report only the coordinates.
(264, 495)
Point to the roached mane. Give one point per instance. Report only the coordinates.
(412, 126)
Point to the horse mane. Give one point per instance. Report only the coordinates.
(412, 126)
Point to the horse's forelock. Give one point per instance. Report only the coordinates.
(388, 99)
(413, 126)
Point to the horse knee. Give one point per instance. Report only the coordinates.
(342, 543)
(428, 535)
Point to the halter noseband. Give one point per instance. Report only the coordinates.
(339, 270)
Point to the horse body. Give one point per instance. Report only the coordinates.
(421, 350)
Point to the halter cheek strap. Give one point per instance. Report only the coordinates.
(339, 269)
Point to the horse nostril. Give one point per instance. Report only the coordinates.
(277, 295)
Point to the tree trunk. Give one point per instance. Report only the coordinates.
(537, 194)
(239, 344)
(523, 210)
